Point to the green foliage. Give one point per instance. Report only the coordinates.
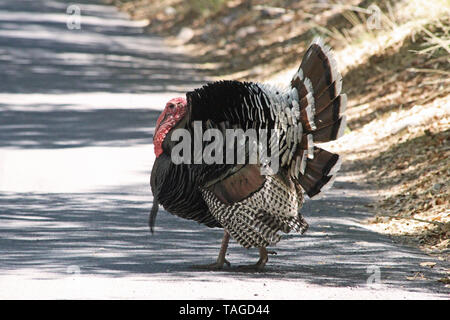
(205, 7)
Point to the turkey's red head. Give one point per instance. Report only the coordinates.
(173, 112)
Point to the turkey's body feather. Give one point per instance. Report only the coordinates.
(258, 219)
(177, 189)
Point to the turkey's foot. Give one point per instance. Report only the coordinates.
(259, 266)
(218, 265)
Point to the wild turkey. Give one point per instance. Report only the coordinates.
(253, 206)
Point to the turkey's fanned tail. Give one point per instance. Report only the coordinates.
(322, 108)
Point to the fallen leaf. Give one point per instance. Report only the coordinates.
(417, 276)
(445, 280)
(428, 264)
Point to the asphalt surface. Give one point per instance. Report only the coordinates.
(78, 108)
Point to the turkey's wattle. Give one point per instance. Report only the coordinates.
(173, 112)
(254, 208)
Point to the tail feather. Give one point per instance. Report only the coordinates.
(331, 131)
(319, 66)
(299, 83)
(334, 87)
(322, 108)
(306, 99)
(332, 112)
(319, 172)
(324, 162)
(313, 184)
(323, 101)
(307, 110)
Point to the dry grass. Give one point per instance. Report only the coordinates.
(403, 111)
(411, 168)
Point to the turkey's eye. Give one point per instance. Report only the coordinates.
(171, 107)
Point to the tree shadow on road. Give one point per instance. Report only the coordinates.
(107, 234)
(105, 54)
(69, 128)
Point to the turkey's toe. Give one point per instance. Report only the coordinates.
(257, 267)
(213, 266)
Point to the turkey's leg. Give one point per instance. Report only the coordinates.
(221, 258)
(259, 266)
(263, 258)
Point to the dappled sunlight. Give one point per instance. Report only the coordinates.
(107, 54)
(63, 127)
(108, 236)
(76, 169)
(84, 101)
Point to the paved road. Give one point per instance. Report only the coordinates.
(77, 114)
